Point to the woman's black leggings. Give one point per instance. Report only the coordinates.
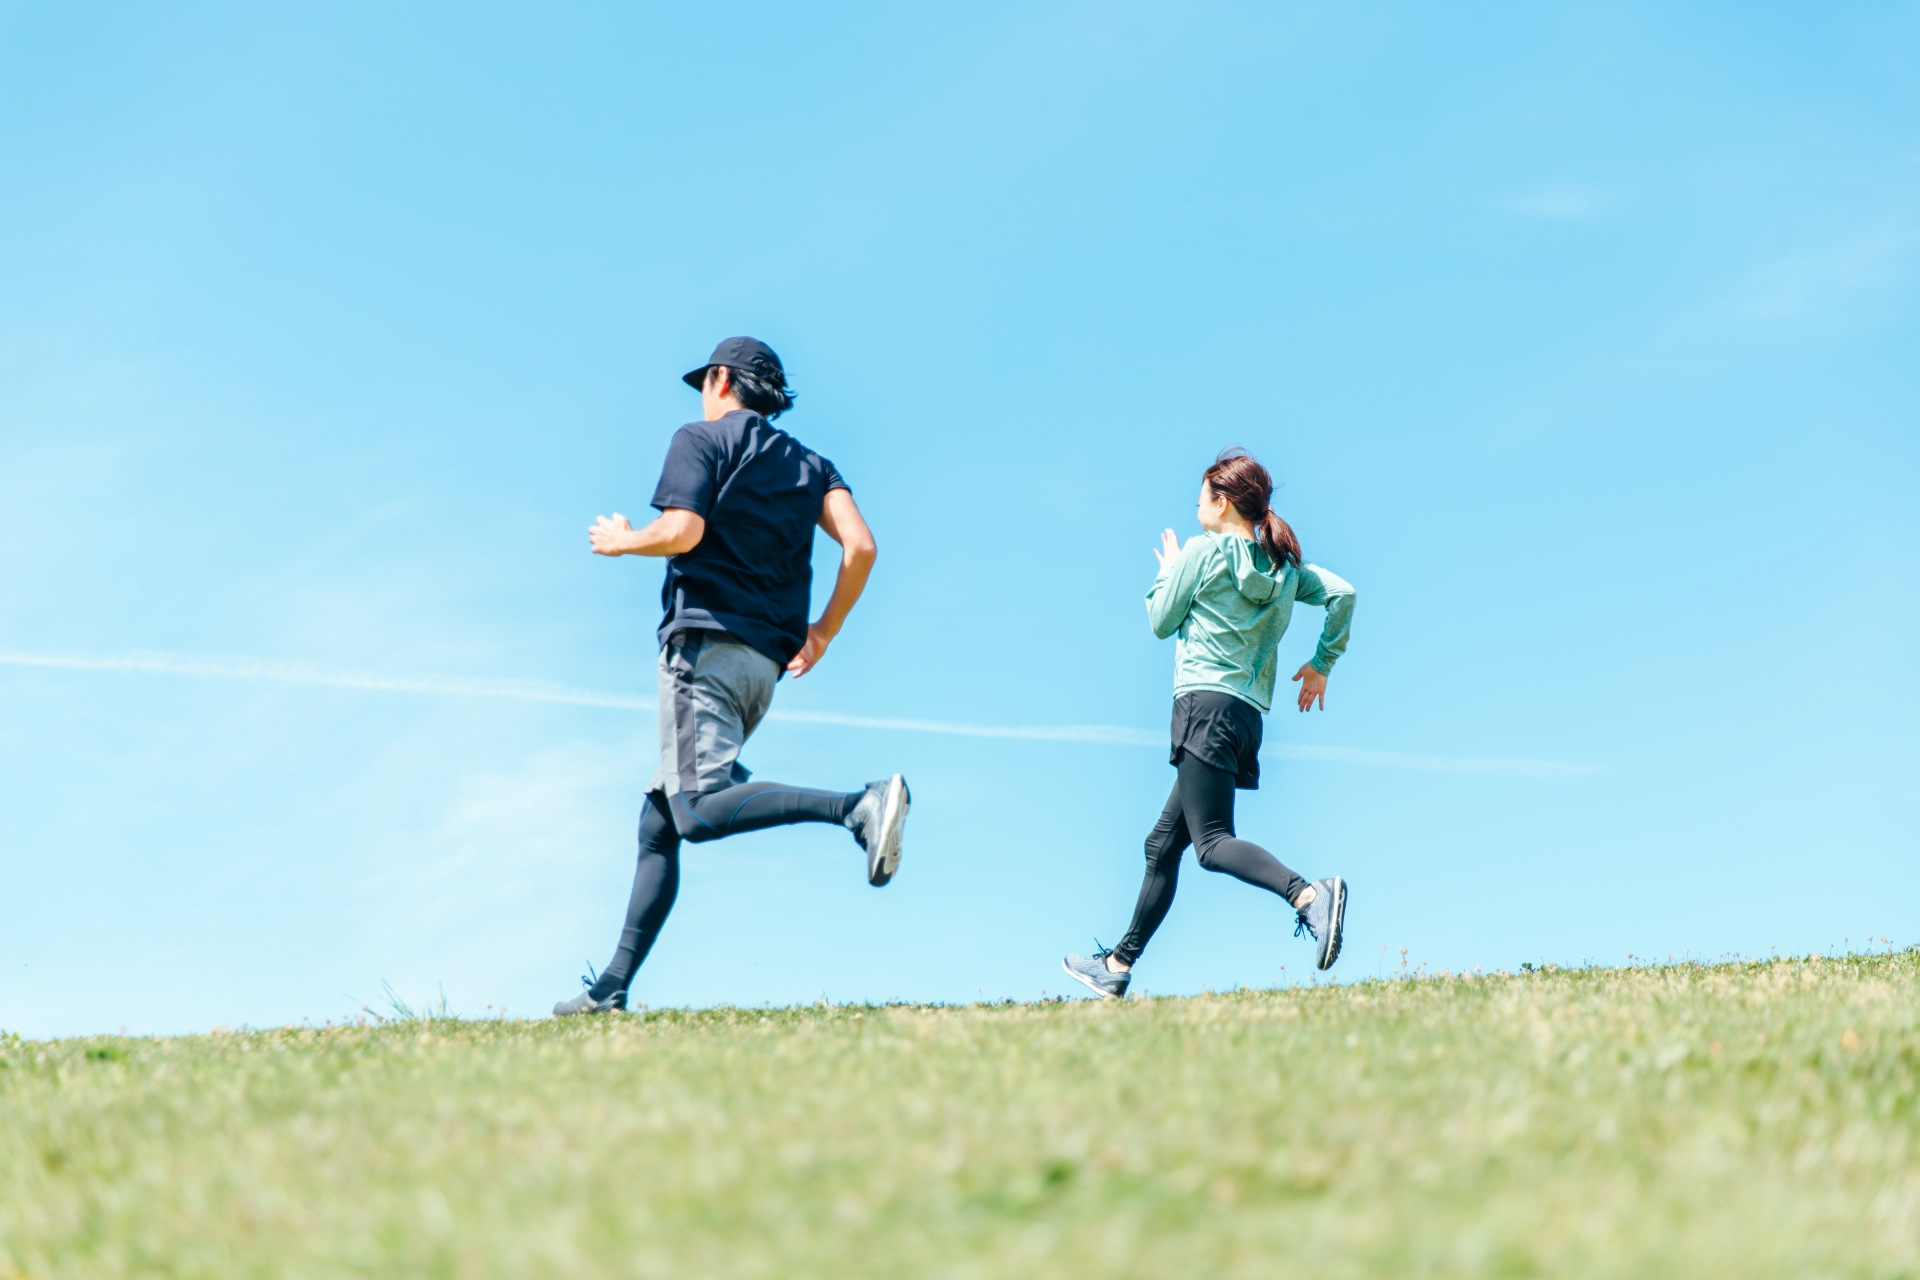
(664, 823)
(1198, 813)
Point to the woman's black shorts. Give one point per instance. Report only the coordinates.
(1219, 730)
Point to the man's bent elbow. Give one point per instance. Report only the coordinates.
(684, 530)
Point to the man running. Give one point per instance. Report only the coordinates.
(738, 501)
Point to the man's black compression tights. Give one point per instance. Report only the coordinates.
(656, 882)
(750, 806)
(1198, 813)
(754, 806)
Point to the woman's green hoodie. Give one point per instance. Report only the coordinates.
(1230, 607)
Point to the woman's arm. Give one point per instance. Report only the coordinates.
(1317, 586)
(1171, 596)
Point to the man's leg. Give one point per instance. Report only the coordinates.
(1166, 843)
(1206, 796)
(755, 806)
(656, 882)
(714, 692)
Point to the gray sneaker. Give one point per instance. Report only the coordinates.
(1324, 918)
(1092, 970)
(877, 821)
(585, 1003)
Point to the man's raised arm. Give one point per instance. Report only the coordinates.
(674, 532)
(843, 523)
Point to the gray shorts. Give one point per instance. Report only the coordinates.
(714, 691)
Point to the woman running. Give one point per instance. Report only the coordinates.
(1228, 595)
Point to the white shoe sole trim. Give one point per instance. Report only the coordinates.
(893, 822)
(1336, 923)
(1086, 982)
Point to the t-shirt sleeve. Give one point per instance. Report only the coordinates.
(690, 477)
(834, 479)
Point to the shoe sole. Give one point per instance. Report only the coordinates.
(1086, 982)
(1336, 923)
(561, 1011)
(893, 823)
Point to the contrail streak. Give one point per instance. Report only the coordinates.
(236, 667)
(1114, 734)
(1434, 764)
(272, 670)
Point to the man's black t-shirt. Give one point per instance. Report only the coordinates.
(760, 492)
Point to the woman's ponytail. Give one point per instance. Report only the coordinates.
(1276, 538)
(1246, 485)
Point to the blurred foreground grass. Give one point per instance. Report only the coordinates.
(1730, 1120)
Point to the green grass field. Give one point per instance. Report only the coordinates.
(1730, 1120)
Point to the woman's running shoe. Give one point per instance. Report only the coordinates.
(585, 1003)
(1092, 970)
(1323, 918)
(877, 822)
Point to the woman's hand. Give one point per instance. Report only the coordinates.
(1169, 549)
(1313, 687)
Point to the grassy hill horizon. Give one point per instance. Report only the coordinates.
(1739, 1118)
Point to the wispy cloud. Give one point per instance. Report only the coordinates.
(1565, 201)
(1844, 284)
(1835, 278)
(237, 667)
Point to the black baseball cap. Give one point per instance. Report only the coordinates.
(749, 355)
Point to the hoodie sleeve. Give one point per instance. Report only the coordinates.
(1171, 596)
(1317, 586)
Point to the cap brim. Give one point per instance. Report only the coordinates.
(697, 378)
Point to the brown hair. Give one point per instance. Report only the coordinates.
(1248, 488)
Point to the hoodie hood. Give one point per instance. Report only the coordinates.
(1252, 568)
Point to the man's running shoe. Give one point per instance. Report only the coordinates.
(877, 821)
(1324, 918)
(1092, 970)
(585, 1003)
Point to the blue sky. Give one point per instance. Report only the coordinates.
(1580, 338)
